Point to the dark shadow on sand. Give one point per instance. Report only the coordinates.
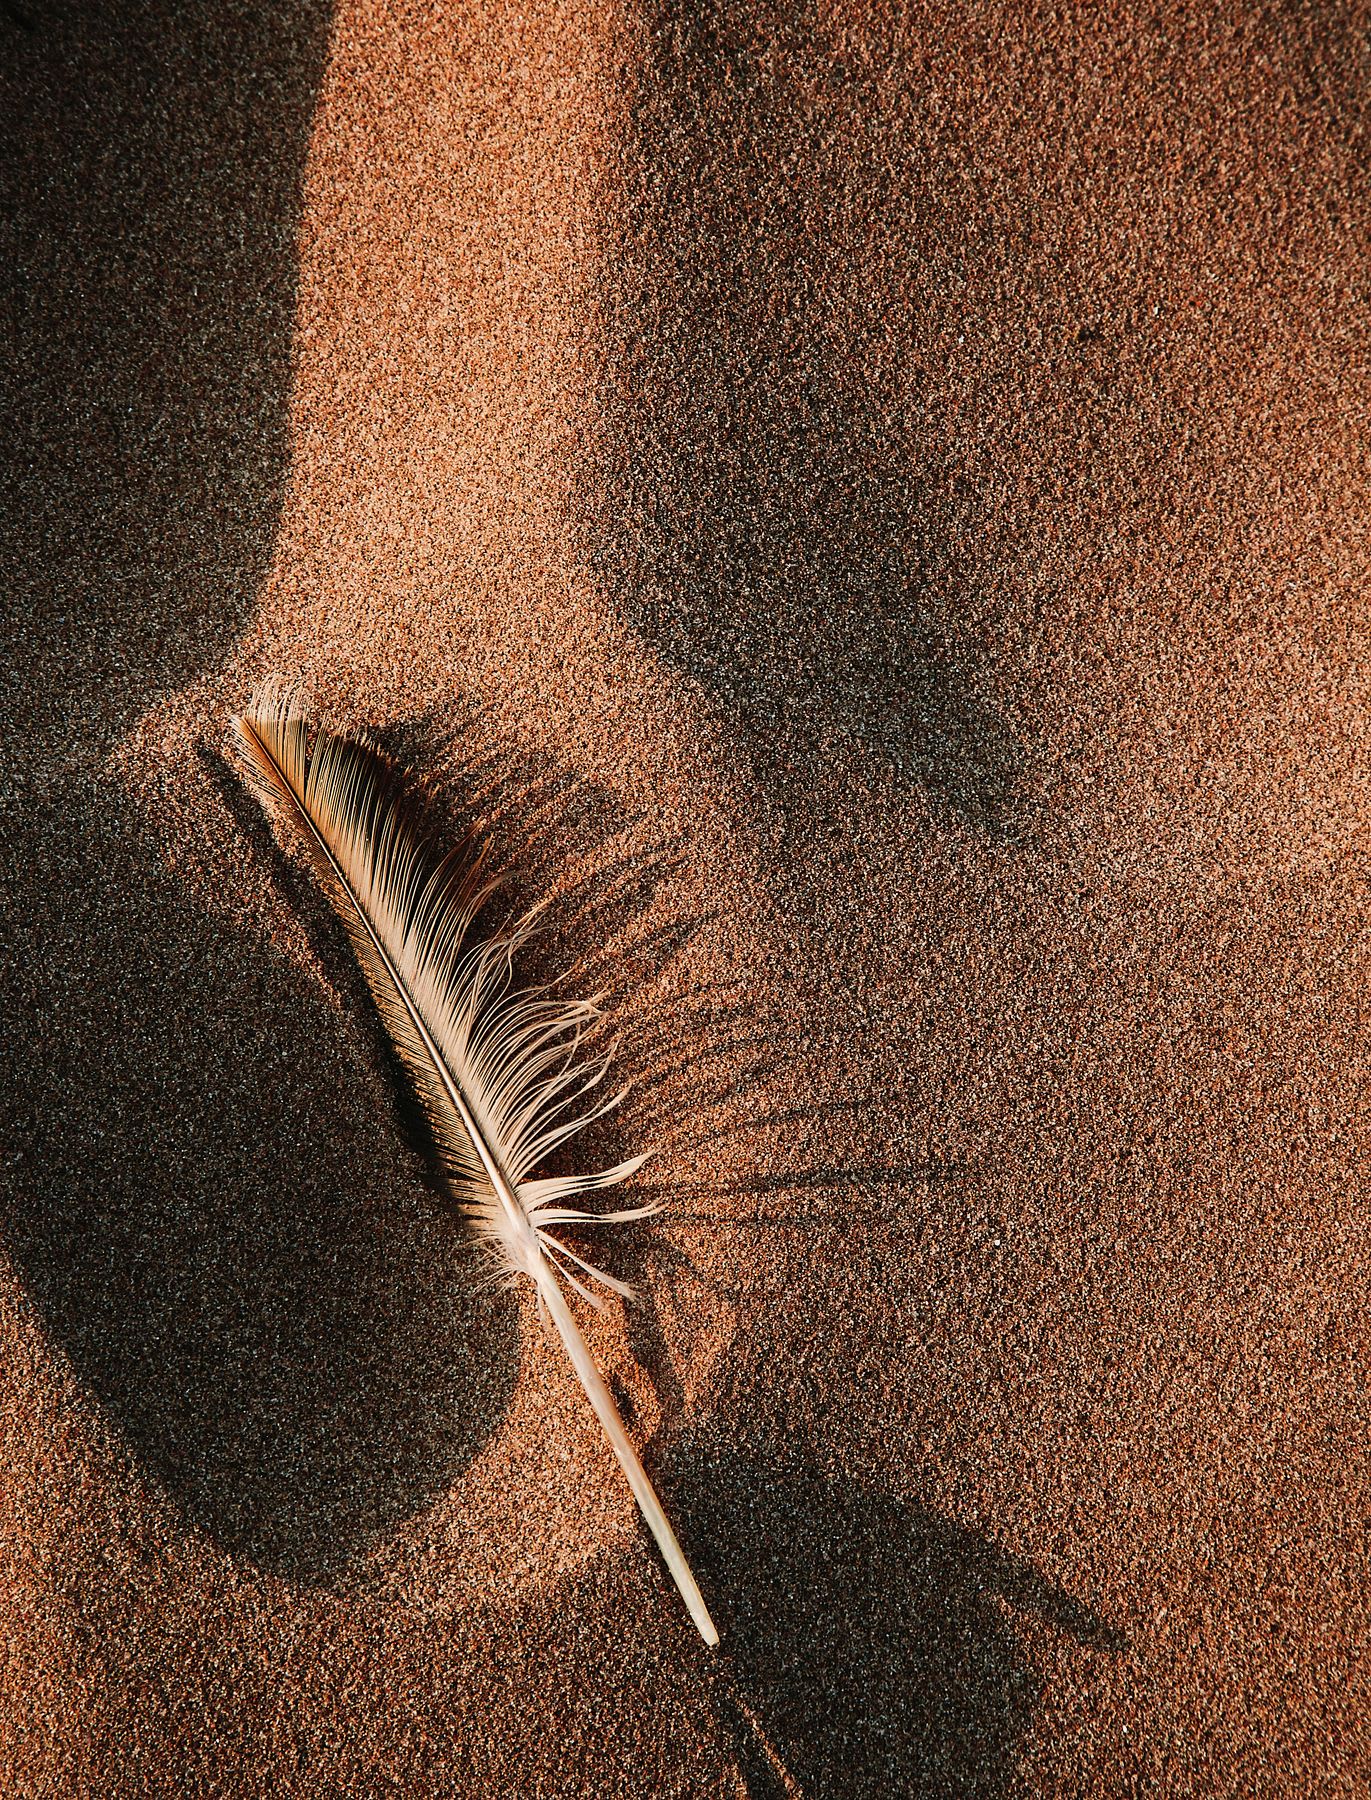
(152, 170)
(205, 1199)
(215, 1216)
(870, 1648)
(774, 506)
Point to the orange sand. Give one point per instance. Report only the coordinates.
(885, 507)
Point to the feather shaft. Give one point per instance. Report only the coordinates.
(597, 1392)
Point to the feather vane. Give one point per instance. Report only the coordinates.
(498, 1071)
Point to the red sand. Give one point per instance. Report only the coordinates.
(897, 497)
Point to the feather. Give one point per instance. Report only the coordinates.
(498, 1071)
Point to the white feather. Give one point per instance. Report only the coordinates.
(497, 1070)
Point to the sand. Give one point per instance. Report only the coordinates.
(879, 509)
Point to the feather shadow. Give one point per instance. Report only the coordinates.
(614, 891)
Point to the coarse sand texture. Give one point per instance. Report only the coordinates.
(874, 502)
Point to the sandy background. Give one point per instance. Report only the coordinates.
(880, 510)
